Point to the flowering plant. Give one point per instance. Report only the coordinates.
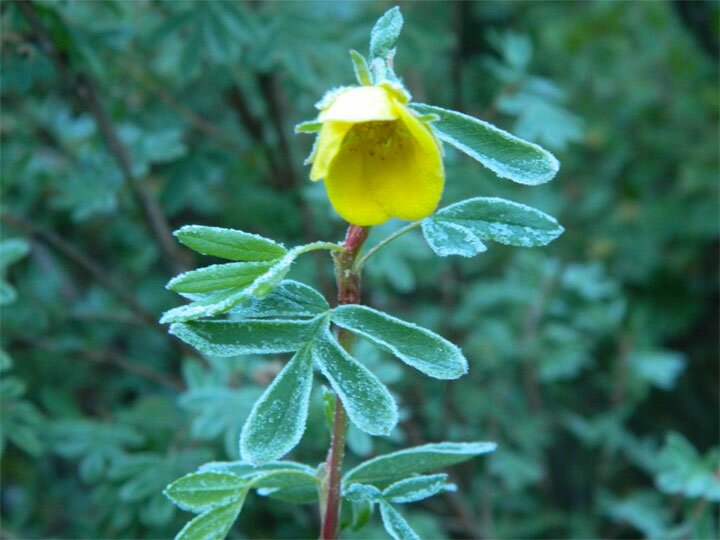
(380, 156)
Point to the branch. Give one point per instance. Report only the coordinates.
(197, 121)
(86, 90)
(385, 241)
(112, 358)
(268, 86)
(97, 272)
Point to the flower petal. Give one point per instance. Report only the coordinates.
(326, 148)
(360, 104)
(349, 191)
(408, 183)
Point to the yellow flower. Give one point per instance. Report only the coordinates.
(378, 159)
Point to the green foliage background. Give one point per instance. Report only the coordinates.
(593, 361)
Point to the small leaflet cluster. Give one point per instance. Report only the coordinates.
(217, 491)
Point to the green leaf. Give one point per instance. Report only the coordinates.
(245, 469)
(258, 336)
(229, 243)
(460, 228)
(311, 126)
(290, 485)
(277, 421)
(360, 65)
(447, 238)
(284, 480)
(288, 299)
(417, 488)
(199, 492)
(11, 251)
(219, 277)
(222, 301)
(5, 361)
(506, 155)
(395, 524)
(361, 492)
(212, 525)
(385, 33)
(361, 512)
(8, 294)
(384, 470)
(659, 368)
(682, 470)
(367, 401)
(416, 346)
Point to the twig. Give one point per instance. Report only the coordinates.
(85, 89)
(116, 359)
(186, 112)
(97, 272)
(531, 326)
(254, 128)
(385, 241)
(288, 177)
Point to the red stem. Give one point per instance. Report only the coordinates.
(348, 284)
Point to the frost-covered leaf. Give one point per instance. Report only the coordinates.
(289, 299)
(283, 480)
(506, 155)
(367, 401)
(360, 65)
(395, 524)
(229, 243)
(447, 238)
(417, 488)
(223, 301)
(385, 33)
(219, 277)
(214, 524)
(277, 421)
(199, 492)
(361, 492)
(384, 470)
(681, 469)
(459, 229)
(257, 336)
(245, 469)
(289, 485)
(416, 346)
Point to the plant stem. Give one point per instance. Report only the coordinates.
(348, 284)
(361, 262)
(87, 92)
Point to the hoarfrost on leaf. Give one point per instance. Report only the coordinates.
(414, 345)
(417, 488)
(368, 402)
(383, 470)
(459, 229)
(277, 421)
(506, 155)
